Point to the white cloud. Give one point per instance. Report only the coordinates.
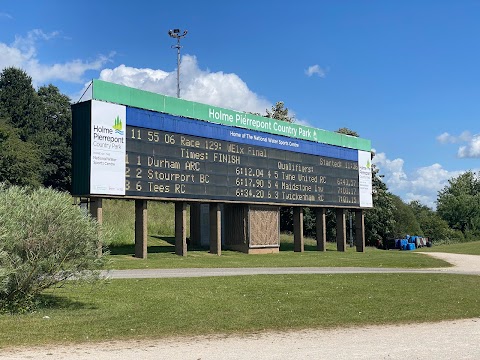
(316, 70)
(71, 71)
(215, 88)
(431, 178)
(422, 184)
(22, 53)
(300, 121)
(472, 149)
(423, 199)
(394, 175)
(447, 138)
(146, 79)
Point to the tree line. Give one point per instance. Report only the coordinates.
(35, 133)
(36, 150)
(456, 219)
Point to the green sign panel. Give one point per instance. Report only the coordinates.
(124, 95)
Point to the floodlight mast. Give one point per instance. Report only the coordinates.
(177, 34)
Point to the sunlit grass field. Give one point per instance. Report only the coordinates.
(160, 308)
(161, 254)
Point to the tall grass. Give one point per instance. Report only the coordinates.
(119, 216)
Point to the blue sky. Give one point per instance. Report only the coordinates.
(405, 74)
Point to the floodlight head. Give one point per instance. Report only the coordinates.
(173, 33)
(176, 33)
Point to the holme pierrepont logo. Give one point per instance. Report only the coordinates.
(118, 126)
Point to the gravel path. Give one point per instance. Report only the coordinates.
(463, 264)
(439, 341)
(459, 339)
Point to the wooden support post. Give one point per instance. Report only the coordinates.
(96, 211)
(321, 228)
(298, 229)
(360, 230)
(141, 232)
(181, 228)
(341, 230)
(215, 229)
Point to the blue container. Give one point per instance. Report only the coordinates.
(411, 246)
(403, 244)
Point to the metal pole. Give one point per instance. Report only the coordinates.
(178, 67)
(176, 34)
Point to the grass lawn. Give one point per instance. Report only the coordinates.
(161, 255)
(472, 248)
(157, 308)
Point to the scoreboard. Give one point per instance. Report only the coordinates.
(129, 152)
(166, 164)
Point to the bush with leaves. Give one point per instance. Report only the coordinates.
(44, 241)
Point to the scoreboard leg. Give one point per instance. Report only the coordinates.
(215, 229)
(141, 229)
(360, 230)
(321, 227)
(298, 229)
(341, 230)
(181, 228)
(96, 211)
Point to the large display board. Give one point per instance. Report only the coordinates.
(172, 157)
(167, 164)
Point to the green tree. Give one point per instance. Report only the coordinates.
(405, 220)
(20, 162)
(20, 103)
(55, 139)
(433, 226)
(280, 112)
(379, 221)
(347, 131)
(459, 203)
(43, 118)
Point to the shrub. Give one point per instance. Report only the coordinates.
(44, 241)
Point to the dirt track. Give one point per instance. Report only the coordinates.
(459, 339)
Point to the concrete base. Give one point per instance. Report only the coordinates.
(274, 250)
(261, 250)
